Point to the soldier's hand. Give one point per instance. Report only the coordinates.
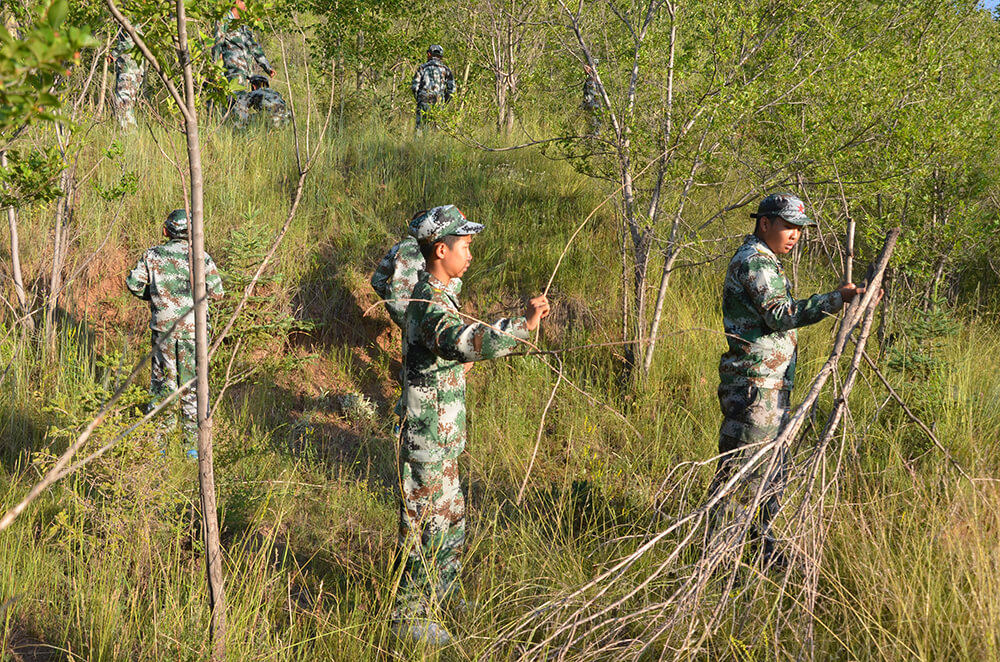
(536, 310)
(271, 73)
(849, 291)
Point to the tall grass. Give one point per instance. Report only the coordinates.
(107, 566)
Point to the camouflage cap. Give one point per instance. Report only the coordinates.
(259, 81)
(785, 205)
(435, 49)
(431, 225)
(177, 223)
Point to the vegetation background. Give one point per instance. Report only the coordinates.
(882, 112)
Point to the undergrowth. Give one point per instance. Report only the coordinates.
(108, 564)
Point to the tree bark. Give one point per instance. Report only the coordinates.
(206, 475)
(15, 262)
(60, 247)
(102, 95)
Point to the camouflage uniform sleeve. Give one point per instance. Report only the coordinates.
(383, 273)
(217, 41)
(137, 282)
(408, 264)
(213, 282)
(258, 53)
(765, 286)
(443, 333)
(449, 84)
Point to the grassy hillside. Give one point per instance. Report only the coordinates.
(108, 564)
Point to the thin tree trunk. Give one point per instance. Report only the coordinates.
(206, 475)
(849, 258)
(102, 95)
(468, 60)
(60, 246)
(15, 262)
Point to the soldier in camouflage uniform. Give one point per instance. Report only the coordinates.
(129, 74)
(261, 104)
(163, 278)
(436, 344)
(432, 81)
(757, 373)
(238, 48)
(591, 101)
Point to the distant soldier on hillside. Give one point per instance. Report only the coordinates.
(163, 278)
(432, 81)
(261, 104)
(238, 47)
(757, 373)
(130, 71)
(591, 97)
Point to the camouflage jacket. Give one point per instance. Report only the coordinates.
(396, 276)
(760, 317)
(590, 95)
(433, 80)
(436, 342)
(238, 47)
(162, 278)
(123, 52)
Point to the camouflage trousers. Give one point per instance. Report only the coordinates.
(422, 108)
(431, 535)
(752, 417)
(173, 364)
(128, 81)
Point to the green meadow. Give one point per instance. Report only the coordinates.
(108, 564)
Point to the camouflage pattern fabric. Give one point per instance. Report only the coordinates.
(590, 95)
(432, 533)
(433, 81)
(396, 276)
(173, 364)
(439, 222)
(760, 317)
(238, 47)
(435, 345)
(264, 105)
(756, 375)
(129, 75)
(752, 417)
(162, 277)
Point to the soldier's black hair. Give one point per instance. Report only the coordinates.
(427, 250)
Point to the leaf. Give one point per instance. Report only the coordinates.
(57, 13)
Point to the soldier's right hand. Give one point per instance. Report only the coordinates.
(537, 310)
(849, 291)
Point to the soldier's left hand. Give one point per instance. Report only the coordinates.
(271, 73)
